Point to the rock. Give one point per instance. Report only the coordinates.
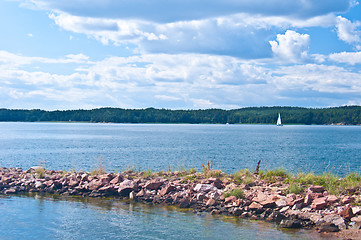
(316, 189)
(204, 188)
(94, 185)
(319, 203)
(126, 187)
(281, 202)
(316, 218)
(347, 213)
(237, 212)
(141, 193)
(289, 223)
(73, 183)
(308, 200)
(255, 206)
(184, 202)
(328, 227)
(211, 202)
(356, 219)
(201, 197)
(260, 197)
(230, 199)
(331, 199)
(167, 189)
(154, 183)
(108, 189)
(268, 203)
(335, 219)
(39, 184)
(347, 200)
(356, 210)
(117, 179)
(10, 191)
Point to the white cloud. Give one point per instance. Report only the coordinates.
(291, 47)
(351, 58)
(348, 31)
(183, 80)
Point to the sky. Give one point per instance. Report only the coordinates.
(179, 54)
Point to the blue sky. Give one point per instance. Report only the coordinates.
(179, 54)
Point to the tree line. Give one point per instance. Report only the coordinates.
(348, 115)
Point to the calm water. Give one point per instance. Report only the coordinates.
(46, 218)
(230, 147)
(68, 146)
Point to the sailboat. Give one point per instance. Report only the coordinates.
(279, 123)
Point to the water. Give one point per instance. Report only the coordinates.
(47, 218)
(79, 146)
(67, 146)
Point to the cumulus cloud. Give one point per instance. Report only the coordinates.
(182, 80)
(351, 58)
(349, 31)
(291, 47)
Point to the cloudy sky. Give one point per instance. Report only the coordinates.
(179, 54)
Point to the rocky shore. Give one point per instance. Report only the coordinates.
(219, 193)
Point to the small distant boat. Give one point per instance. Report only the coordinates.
(279, 122)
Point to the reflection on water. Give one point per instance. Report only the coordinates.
(51, 217)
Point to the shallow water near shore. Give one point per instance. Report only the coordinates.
(39, 217)
(68, 146)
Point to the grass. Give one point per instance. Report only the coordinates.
(235, 192)
(99, 167)
(295, 188)
(243, 176)
(40, 172)
(276, 175)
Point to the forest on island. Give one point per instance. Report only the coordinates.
(348, 115)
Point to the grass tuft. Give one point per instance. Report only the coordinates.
(235, 192)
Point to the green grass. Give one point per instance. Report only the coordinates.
(295, 188)
(243, 176)
(235, 192)
(276, 175)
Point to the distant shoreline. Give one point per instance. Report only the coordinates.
(347, 115)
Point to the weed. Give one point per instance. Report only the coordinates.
(147, 173)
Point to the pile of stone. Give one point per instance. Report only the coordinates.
(261, 200)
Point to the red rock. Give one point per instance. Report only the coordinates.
(94, 185)
(211, 202)
(167, 189)
(238, 202)
(255, 206)
(126, 187)
(268, 203)
(319, 203)
(73, 182)
(347, 199)
(107, 189)
(230, 199)
(331, 199)
(154, 183)
(347, 213)
(316, 189)
(48, 183)
(260, 197)
(117, 179)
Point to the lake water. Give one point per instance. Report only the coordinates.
(79, 146)
(47, 218)
(67, 146)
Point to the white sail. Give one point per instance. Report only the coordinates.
(279, 123)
